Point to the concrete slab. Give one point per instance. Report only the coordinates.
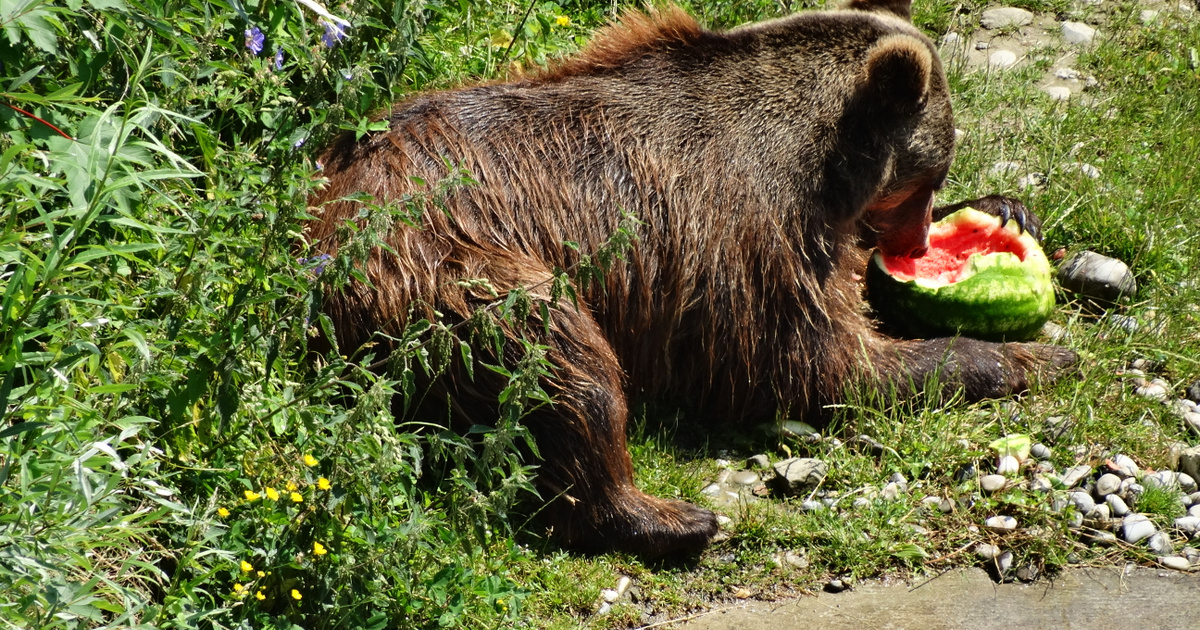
(1079, 599)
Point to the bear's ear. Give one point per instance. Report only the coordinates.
(901, 8)
(898, 71)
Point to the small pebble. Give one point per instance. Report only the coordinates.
(744, 478)
(930, 501)
(891, 492)
(758, 461)
(1040, 451)
(1101, 537)
(1008, 465)
(861, 502)
(1040, 484)
(835, 586)
(609, 595)
(1027, 573)
(1005, 17)
(1132, 492)
(1153, 391)
(1077, 33)
(1137, 527)
(1160, 544)
(1188, 524)
(946, 506)
(1100, 513)
(993, 483)
(1124, 466)
(1073, 475)
(1116, 505)
(1186, 482)
(812, 506)
(1096, 276)
(711, 490)
(1194, 510)
(1002, 59)
(1192, 420)
(1004, 562)
(986, 551)
(965, 473)
(1175, 562)
(1193, 392)
(1107, 484)
(1067, 74)
(1001, 522)
(1083, 502)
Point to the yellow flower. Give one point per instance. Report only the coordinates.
(222, 512)
(272, 494)
(238, 590)
(291, 486)
(309, 460)
(323, 483)
(296, 498)
(261, 574)
(259, 596)
(562, 20)
(296, 594)
(247, 567)
(252, 495)
(319, 549)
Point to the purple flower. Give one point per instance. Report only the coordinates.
(254, 40)
(316, 264)
(334, 33)
(278, 58)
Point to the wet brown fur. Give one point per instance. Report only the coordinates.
(752, 158)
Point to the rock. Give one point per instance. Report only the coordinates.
(1077, 33)
(870, 444)
(899, 480)
(1188, 524)
(1100, 537)
(1107, 484)
(993, 483)
(986, 551)
(1193, 392)
(1187, 483)
(796, 428)
(1100, 513)
(1027, 573)
(798, 474)
(1002, 59)
(1057, 93)
(1067, 74)
(1008, 465)
(1082, 501)
(1161, 479)
(1192, 420)
(1175, 562)
(1189, 461)
(930, 502)
(965, 473)
(1085, 169)
(1160, 544)
(946, 506)
(1005, 17)
(711, 490)
(609, 595)
(1095, 276)
(1148, 16)
(1004, 562)
(1116, 505)
(1131, 492)
(1136, 528)
(744, 478)
(1001, 523)
(812, 506)
(1040, 451)
(860, 503)
(791, 559)
(1040, 483)
(1181, 406)
(1124, 466)
(1153, 391)
(1073, 475)
(836, 586)
(891, 492)
(758, 462)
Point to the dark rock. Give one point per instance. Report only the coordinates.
(798, 474)
(1095, 276)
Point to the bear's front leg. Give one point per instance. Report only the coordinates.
(981, 369)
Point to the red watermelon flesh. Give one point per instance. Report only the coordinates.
(950, 245)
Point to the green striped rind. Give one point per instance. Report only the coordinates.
(1003, 299)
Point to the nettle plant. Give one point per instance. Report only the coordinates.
(171, 453)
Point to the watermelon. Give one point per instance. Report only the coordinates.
(978, 279)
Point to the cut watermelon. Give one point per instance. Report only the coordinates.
(979, 279)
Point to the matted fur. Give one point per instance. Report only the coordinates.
(755, 160)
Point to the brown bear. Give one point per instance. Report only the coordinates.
(757, 161)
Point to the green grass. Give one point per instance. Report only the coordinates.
(153, 364)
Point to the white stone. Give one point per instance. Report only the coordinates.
(1082, 502)
(1087, 170)
(1125, 466)
(1073, 475)
(1117, 505)
(1192, 419)
(1067, 74)
(1002, 59)
(1107, 484)
(1175, 562)
(1136, 528)
(1058, 93)
(1001, 522)
(1005, 17)
(1077, 32)
(986, 551)
(1148, 15)
(1189, 524)
(1160, 544)
(993, 483)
